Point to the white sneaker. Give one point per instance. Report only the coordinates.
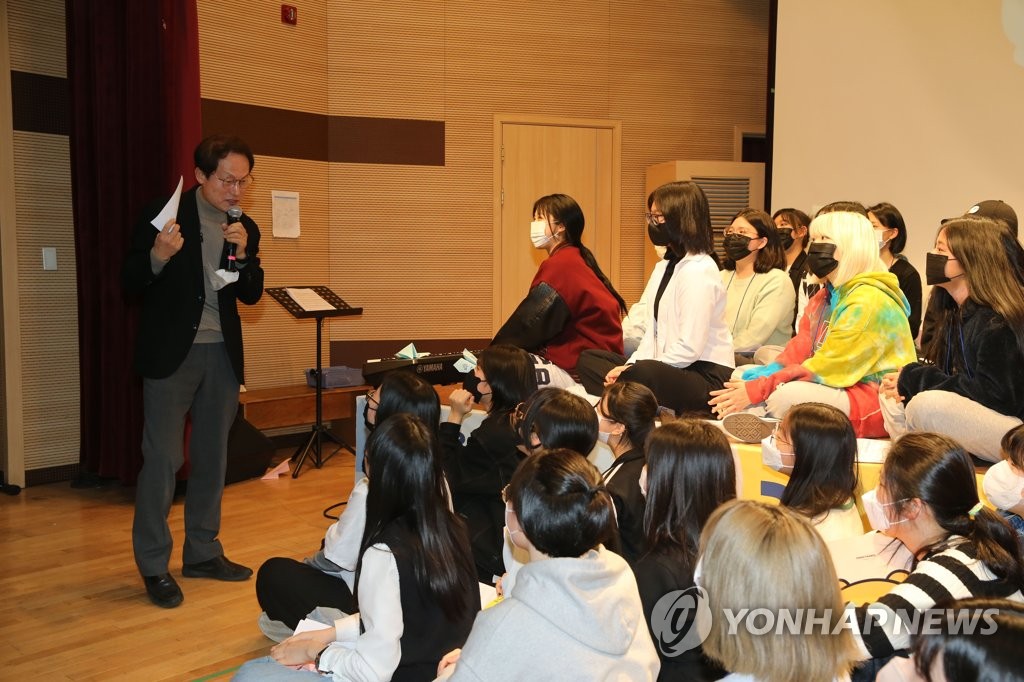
(273, 629)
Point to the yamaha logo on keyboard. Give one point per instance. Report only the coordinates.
(431, 367)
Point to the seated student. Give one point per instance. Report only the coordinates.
(815, 445)
(555, 418)
(971, 385)
(757, 555)
(1004, 481)
(927, 499)
(892, 237)
(950, 650)
(479, 470)
(625, 417)
(287, 590)
(575, 613)
(687, 349)
(571, 305)
(854, 331)
(793, 227)
(416, 586)
(993, 209)
(690, 472)
(759, 296)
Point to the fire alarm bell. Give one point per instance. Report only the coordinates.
(289, 15)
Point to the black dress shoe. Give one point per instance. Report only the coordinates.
(218, 568)
(163, 590)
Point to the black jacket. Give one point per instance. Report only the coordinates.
(172, 302)
(476, 473)
(629, 502)
(987, 367)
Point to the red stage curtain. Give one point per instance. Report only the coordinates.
(133, 71)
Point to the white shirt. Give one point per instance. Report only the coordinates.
(1003, 485)
(374, 655)
(342, 540)
(691, 318)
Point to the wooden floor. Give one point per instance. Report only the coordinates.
(74, 607)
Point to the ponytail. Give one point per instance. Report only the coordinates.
(591, 262)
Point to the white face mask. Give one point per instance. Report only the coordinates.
(603, 436)
(538, 233)
(643, 481)
(1003, 487)
(770, 454)
(661, 251)
(875, 510)
(880, 236)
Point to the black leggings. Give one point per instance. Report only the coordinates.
(288, 590)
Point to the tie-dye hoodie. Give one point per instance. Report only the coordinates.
(848, 338)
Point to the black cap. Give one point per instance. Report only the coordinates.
(995, 209)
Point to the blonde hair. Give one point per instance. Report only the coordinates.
(857, 246)
(760, 556)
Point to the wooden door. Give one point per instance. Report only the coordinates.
(537, 157)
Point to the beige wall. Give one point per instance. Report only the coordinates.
(413, 244)
(916, 102)
(43, 376)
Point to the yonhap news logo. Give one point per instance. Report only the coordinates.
(681, 621)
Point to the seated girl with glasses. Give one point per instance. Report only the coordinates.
(815, 445)
(927, 499)
(287, 589)
(575, 613)
(760, 299)
(478, 470)
(416, 586)
(555, 418)
(625, 416)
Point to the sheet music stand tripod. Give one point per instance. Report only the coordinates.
(319, 432)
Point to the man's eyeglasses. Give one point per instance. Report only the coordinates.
(239, 184)
(518, 415)
(654, 217)
(371, 399)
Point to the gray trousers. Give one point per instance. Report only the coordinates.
(205, 385)
(971, 424)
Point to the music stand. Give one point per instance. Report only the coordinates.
(340, 309)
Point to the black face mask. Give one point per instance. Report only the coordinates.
(366, 417)
(935, 269)
(786, 235)
(472, 384)
(737, 246)
(820, 259)
(657, 234)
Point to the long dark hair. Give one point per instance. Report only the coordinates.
(974, 656)
(690, 472)
(564, 210)
(511, 374)
(560, 419)
(409, 393)
(843, 207)
(687, 217)
(825, 448)
(772, 255)
(634, 406)
(890, 217)
(407, 487)
(988, 256)
(560, 503)
(938, 471)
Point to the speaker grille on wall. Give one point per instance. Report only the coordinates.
(727, 196)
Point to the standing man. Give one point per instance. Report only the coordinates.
(190, 356)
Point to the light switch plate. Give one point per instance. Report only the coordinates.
(49, 258)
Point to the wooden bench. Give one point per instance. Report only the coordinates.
(275, 408)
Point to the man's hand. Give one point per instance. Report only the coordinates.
(732, 398)
(613, 374)
(168, 241)
(461, 402)
(890, 386)
(302, 648)
(236, 234)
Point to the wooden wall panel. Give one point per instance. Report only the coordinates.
(36, 31)
(247, 55)
(48, 300)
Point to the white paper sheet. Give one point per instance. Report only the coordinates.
(308, 299)
(170, 210)
(285, 209)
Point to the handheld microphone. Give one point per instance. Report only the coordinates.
(234, 213)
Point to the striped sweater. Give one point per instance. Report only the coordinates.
(953, 572)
